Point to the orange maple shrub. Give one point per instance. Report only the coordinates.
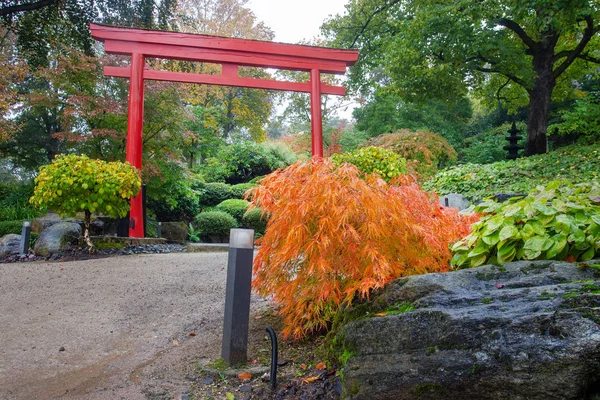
(332, 236)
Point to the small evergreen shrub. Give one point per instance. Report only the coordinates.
(373, 160)
(240, 162)
(253, 219)
(7, 227)
(234, 207)
(214, 226)
(239, 190)
(558, 222)
(213, 193)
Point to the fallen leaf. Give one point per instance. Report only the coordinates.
(321, 366)
(230, 396)
(244, 376)
(381, 314)
(570, 258)
(499, 285)
(258, 317)
(310, 379)
(192, 333)
(253, 361)
(175, 342)
(303, 366)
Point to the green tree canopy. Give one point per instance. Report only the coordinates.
(523, 52)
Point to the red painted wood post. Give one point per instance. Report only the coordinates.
(135, 120)
(316, 121)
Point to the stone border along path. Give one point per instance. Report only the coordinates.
(111, 328)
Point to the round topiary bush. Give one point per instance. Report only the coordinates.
(234, 207)
(239, 190)
(214, 226)
(253, 220)
(213, 193)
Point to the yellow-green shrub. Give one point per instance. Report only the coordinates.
(373, 160)
(72, 184)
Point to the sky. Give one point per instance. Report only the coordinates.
(294, 20)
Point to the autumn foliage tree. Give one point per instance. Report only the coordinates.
(335, 234)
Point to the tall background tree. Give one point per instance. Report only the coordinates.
(521, 52)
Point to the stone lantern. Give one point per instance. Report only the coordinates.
(513, 138)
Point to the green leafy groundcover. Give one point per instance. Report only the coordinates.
(560, 221)
(575, 163)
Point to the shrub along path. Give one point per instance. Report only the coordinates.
(112, 328)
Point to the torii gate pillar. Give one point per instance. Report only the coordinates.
(135, 123)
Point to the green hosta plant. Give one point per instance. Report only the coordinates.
(560, 222)
(73, 184)
(370, 160)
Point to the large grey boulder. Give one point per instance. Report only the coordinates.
(525, 330)
(56, 238)
(10, 244)
(39, 224)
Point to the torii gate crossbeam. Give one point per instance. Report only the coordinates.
(231, 54)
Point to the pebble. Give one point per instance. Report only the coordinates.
(77, 253)
(245, 388)
(207, 381)
(61, 349)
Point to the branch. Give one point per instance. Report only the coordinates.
(587, 57)
(588, 33)
(26, 7)
(366, 24)
(516, 28)
(500, 89)
(511, 77)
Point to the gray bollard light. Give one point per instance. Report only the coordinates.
(25, 233)
(159, 230)
(237, 296)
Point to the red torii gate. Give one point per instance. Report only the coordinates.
(230, 53)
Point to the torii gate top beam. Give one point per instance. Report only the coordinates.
(231, 54)
(203, 48)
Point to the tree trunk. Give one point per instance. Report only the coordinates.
(539, 102)
(86, 231)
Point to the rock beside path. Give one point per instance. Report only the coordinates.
(56, 238)
(10, 244)
(39, 224)
(525, 330)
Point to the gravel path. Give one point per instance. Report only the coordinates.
(112, 328)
